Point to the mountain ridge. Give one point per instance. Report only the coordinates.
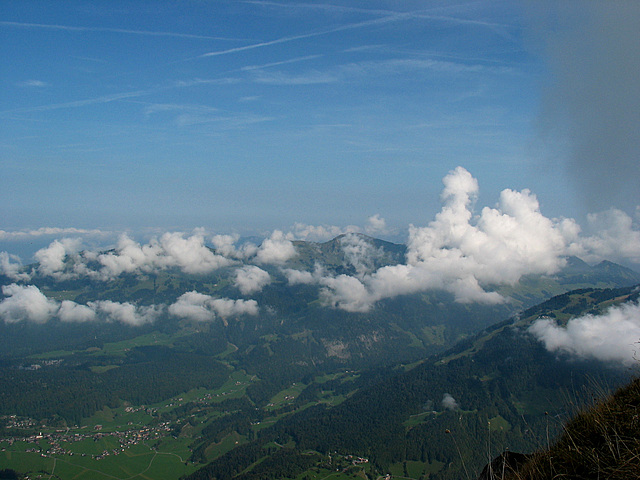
(397, 329)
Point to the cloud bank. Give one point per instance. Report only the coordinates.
(64, 259)
(51, 231)
(28, 303)
(171, 250)
(467, 251)
(611, 337)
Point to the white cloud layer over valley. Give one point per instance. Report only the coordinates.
(464, 250)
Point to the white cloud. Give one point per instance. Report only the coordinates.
(33, 83)
(250, 279)
(130, 257)
(226, 307)
(615, 237)
(461, 251)
(52, 258)
(376, 225)
(612, 336)
(189, 254)
(126, 313)
(225, 245)
(503, 244)
(11, 266)
(26, 303)
(202, 308)
(463, 254)
(346, 292)
(193, 306)
(73, 312)
(50, 231)
(296, 277)
(320, 233)
(360, 252)
(276, 249)
(449, 402)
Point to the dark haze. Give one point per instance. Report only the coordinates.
(591, 99)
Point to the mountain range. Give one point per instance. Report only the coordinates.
(279, 382)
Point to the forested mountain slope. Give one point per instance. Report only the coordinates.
(453, 413)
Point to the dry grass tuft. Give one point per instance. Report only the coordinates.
(602, 442)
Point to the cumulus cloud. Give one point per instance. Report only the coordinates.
(202, 308)
(190, 254)
(193, 306)
(499, 247)
(299, 277)
(225, 245)
(464, 251)
(51, 260)
(276, 249)
(348, 293)
(73, 312)
(250, 279)
(126, 312)
(26, 303)
(172, 250)
(226, 307)
(449, 402)
(130, 256)
(464, 254)
(611, 337)
(11, 266)
(376, 225)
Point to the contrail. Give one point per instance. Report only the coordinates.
(390, 18)
(69, 28)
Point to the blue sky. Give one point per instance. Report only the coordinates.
(251, 116)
